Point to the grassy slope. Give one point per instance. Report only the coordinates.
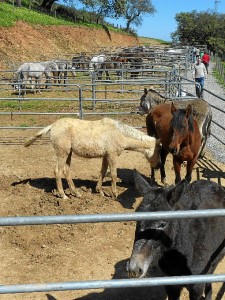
(9, 15)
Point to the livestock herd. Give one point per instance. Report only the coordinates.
(32, 75)
(176, 247)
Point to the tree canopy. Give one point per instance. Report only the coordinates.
(131, 11)
(201, 28)
(134, 11)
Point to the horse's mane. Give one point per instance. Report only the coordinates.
(155, 97)
(127, 130)
(177, 120)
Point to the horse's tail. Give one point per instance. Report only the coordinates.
(37, 135)
(205, 131)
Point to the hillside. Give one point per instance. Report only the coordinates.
(25, 42)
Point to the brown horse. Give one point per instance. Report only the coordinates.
(179, 134)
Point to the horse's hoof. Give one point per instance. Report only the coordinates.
(76, 194)
(152, 181)
(163, 180)
(57, 194)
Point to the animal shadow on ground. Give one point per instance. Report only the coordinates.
(126, 180)
(147, 293)
(128, 197)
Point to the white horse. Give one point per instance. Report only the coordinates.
(62, 73)
(96, 62)
(105, 138)
(29, 72)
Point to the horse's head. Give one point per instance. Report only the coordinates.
(145, 103)
(182, 124)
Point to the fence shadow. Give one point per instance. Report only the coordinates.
(206, 168)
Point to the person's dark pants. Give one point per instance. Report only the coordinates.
(206, 66)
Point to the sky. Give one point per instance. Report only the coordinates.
(162, 23)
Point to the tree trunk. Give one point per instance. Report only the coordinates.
(47, 4)
(18, 3)
(128, 24)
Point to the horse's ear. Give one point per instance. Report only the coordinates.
(188, 110)
(173, 108)
(145, 91)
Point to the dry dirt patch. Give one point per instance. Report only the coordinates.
(53, 253)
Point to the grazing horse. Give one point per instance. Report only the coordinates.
(106, 139)
(179, 134)
(102, 63)
(28, 72)
(81, 62)
(201, 110)
(96, 62)
(135, 62)
(62, 73)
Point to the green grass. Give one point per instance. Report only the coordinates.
(9, 15)
(218, 76)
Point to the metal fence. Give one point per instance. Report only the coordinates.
(90, 96)
(119, 283)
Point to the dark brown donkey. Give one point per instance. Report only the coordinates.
(179, 134)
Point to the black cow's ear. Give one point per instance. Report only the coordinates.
(141, 184)
(173, 194)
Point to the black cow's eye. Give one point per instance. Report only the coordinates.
(162, 225)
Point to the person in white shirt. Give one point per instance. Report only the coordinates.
(199, 75)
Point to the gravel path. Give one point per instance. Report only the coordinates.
(213, 145)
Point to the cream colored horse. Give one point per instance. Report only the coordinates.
(106, 138)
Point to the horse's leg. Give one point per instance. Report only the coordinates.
(113, 171)
(196, 292)
(177, 167)
(61, 159)
(102, 175)
(107, 75)
(163, 155)
(69, 179)
(152, 175)
(100, 75)
(190, 166)
(173, 292)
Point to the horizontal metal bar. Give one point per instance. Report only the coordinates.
(93, 218)
(115, 283)
(37, 113)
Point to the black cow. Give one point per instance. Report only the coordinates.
(182, 246)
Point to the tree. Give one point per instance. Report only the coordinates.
(106, 8)
(18, 3)
(135, 9)
(103, 8)
(201, 28)
(47, 4)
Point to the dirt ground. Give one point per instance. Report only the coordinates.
(54, 253)
(61, 253)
